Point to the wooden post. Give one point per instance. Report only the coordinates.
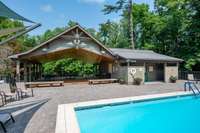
(25, 72)
(18, 70)
(30, 72)
(35, 71)
(40, 70)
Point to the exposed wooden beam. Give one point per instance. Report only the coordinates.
(81, 54)
(69, 37)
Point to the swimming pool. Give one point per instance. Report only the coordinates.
(170, 115)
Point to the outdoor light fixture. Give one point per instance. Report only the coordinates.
(44, 49)
(103, 52)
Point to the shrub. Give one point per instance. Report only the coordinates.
(173, 79)
(69, 66)
(137, 81)
(122, 81)
(49, 68)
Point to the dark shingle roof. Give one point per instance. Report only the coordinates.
(142, 55)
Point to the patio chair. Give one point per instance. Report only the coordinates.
(22, 90)
(2, 100)
(8, 93)
(8, 96)
(4, 119)
(192, 78)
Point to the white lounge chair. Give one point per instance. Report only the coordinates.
(22, 90)
(7, 94)
(192, 78)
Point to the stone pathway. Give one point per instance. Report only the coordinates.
(38, 114)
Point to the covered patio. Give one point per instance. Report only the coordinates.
(74, 43)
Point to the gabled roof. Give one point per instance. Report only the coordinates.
(143, 55)
(127, 54)
(64, 32)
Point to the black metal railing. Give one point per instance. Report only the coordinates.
(5, 78)
(73, 77)
(183, 75)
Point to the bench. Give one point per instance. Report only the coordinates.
(102, 81)
(44, 84)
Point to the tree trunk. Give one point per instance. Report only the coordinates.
(131, 25)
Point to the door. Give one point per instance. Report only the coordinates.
(154, 72)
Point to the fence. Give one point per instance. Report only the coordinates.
(32, 77)
(183, 75)
(5, 78)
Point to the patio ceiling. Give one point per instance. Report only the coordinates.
(82, 54)
(74, 42)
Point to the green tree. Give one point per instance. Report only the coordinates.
(193, 35)
(11, 47)
(112, 35)
(123, 5)
(172, 28)
(71, 23)
(104, 30)
(181, 33)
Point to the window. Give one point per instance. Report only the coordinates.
(136, 64)
(171, 64)
(124, 64)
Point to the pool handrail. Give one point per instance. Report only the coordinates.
(190, 83)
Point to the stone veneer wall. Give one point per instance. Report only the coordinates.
(140, 73)
(170, 71)
(124, 72)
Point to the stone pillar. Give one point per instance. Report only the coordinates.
(165, 72)
(170, 71)
(145, 72)
(129, 78)
(128, 63)
(18, 70)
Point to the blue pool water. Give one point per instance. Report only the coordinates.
(173, 115)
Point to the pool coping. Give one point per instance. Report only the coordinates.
(66, 117)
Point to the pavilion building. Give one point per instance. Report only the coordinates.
(76, 42)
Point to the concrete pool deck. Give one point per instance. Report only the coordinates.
(38, 113)
(66, 116)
